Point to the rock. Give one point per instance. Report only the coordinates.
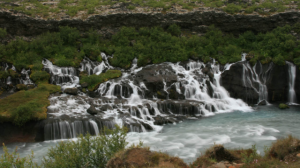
(92, 110)
(84, 85)
(220, 165)
(262, 103)
(283, 106)
(71, 91)
(219, 153)
(278, 84)
(21, 87)
(232, 81)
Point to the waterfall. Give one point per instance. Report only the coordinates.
(66, 77)
(66, 129)
(292, 100)
(256, 75)
(26, 80)
(131, 100)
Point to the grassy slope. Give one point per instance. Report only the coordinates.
(27, 105)
(93, 81)
(83, 8)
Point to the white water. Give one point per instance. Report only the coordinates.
(66, 77)
(125, 95)
(292, 100)
(256, 75)
(190, 138)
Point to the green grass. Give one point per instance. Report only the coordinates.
(88, 7)
(93, 81)
(24, 106)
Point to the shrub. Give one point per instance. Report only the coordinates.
(95, 80)
(174, 30)
(3, 32)
(283, 106)
(232, 8)
(25, 113)
(40, 76)
(87, 151)
(284, 147)
(9, 160)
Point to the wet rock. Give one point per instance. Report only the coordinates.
(278, 84)
(71, 91)
(92, 110)
(262, 103)
(84, 85)
(232, 81)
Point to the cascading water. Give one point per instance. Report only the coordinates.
(66, 77)
(134, 100)
(26, 80)
(256, 76)
(292, 100)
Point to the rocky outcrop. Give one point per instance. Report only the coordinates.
(19, 24)
(278, 84)
(245, 86)
(32, 131)
(232, 81)
(71, 91)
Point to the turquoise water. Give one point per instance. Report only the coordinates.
(190, 138)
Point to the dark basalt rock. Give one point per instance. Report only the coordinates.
(195, 21)
(71, 91)
(262, 103)
(278, 84)
(92, 110)
(232, 81)
(154, 77)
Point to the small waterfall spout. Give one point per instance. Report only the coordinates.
(292, 100)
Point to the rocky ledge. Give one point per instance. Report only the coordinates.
(196, 21)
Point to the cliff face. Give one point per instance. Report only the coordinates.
(246, 83)
(195, 21)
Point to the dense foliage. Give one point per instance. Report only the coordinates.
(94, 80)
(152, 45)
(9, 160)
(28, 105)
(88, 151)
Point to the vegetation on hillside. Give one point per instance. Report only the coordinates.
(93, 81)
(27, 105)
(153, 45)
(83, 8)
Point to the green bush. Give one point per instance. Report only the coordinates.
(25, 113)
(283, 106)
(40, 76)
(174, 30)
(95, 80)
(232, 8)
(3, 32)
(87, 151)
(9, 160)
